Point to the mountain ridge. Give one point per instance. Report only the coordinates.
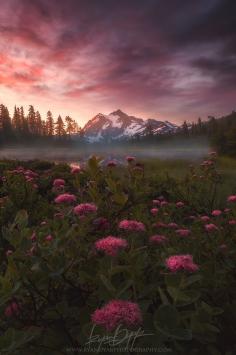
(118, 125)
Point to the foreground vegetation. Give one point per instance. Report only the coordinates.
(118, 251)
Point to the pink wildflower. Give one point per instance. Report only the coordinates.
(33, 237)
(111, 245)
(30, 174)
(158, 239)
(179, 204)
(161, 198)
(58, 183)
(49, 238)
(216, 213)
(117, 312)
(156, 202)
(211, 227)
(154, 211)
(207, 163)
(163, 203)
(138, 169)
(232, 222)
(65, 198)
(85, 208)
(172, 225)
(205, 218)
(183, 232)
(75, 169)
(58, 215)
(132, 225)
(9, 252)
(12, 310)
(111, 164)
(29, 179)
(181, 262)
(130, 159)
(232, 198)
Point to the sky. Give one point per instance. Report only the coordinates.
(167, 59)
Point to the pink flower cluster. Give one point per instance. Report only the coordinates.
(111, 245)
(117, 312)
(49, 238)
(29, 175)
(130, 159)
(75, 169)
(216, 213)
(205, 218)
(181, 262)
(207, 163)
(179, 204)
(211, 227)
(85, 208)
(158, 239)
(58, 183)
(132, 225)
(111, 164)
(183, 232)
(232, 198)
(12, 310)
(154, 211)
(65, 198)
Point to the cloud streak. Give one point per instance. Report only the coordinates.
(171, 59)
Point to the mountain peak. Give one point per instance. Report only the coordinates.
(118, 112)
(118, 125)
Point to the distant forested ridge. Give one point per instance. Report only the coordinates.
(220, 132)
(31, 128)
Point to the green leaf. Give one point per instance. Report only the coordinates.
(163, 296)
(166, 321)
(120, 198)
(108, 285)
(21, 219)
(191, 279)
(167, 315)
(128, 284)
(14, 339)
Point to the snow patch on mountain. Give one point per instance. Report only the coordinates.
(119, 125)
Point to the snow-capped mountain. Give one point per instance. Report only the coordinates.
(119, 125)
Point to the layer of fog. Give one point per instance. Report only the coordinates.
(188, 150)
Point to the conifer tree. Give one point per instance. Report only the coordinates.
(38, 123)
(60, 127)
(31, 120)
(49, 124)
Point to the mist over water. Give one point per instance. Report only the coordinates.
(188, 150)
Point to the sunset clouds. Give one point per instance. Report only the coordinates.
(172, 59)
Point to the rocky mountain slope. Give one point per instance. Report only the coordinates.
(118, 125)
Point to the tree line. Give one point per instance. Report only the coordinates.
(220, 132)
(30, 126)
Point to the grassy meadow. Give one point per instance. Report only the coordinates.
(128, 255)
